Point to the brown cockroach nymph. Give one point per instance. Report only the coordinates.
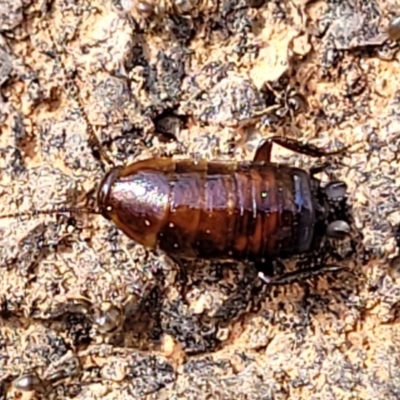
(255, 211)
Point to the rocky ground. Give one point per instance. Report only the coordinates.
(85, 312)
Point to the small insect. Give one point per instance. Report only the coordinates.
(255, 211)
(247, 211)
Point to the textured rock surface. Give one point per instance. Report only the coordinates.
(86, 313)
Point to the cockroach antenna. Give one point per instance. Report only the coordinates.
(72, 90)
(62, 210)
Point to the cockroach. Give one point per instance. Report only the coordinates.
(256, 211)
(247, 211)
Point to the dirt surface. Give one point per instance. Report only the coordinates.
(88, 314)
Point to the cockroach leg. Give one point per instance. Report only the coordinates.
(318, 168)
(263, 152)
(265, 278)
(269, 268)
(299, 275)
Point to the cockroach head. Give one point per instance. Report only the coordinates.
(103, 192)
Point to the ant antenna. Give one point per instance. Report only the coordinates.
(69, 210)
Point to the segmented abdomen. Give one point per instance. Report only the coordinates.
(237, 210)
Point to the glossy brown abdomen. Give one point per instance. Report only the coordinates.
(214, 209)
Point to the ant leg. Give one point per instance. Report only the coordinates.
(301, 275)
(263, 152)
